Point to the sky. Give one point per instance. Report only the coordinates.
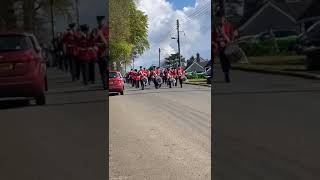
(88, 11)
(195, 20)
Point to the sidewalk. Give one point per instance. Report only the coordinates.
(302, 74)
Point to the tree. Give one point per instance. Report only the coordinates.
(128, 31)
(173, 60)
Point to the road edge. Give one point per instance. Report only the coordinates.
(279, 72)
(204, 85)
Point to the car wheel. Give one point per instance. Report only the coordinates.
(122, 93)
(41, 99)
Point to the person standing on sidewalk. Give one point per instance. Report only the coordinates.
(224, 36)
(103, 48)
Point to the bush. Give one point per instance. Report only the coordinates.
(267, 48)
(196, 76)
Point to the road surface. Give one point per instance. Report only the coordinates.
(65, 140)
(266, 127)
(161, 134)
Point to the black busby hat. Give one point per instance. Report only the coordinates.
(72, 25)
(100, 18)
(84, 28)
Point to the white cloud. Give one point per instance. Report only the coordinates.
(195, 23)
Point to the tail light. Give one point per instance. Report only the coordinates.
(118, 81)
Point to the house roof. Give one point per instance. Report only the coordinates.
(195, 67)
(294, 10)
(202, 63)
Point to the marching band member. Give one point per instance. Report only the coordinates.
(69, 45)
(103, 48)
(181, 74)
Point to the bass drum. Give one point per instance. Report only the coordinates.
(144, 80)
(184, 78)
(159, 79)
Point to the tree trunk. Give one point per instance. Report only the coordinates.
(28, 15)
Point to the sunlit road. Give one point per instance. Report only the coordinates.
(161, 134)
(266, 127)
(65, 140)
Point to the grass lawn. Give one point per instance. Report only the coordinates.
(197, 81)
(282, 63)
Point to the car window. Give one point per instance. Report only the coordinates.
(13, 43)
(113, 75)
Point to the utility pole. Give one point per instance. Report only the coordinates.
(178, 30)
(159, 56)
(78, 15)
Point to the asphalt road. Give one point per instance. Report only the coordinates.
(161, 134)
(266, 127)
(65, 140)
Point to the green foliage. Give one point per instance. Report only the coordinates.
(128, 30)
(283, 46)
(196, 76)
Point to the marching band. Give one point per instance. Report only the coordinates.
(168, 76)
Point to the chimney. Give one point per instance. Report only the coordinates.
(198, 58)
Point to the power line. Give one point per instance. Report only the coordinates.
(200, 11)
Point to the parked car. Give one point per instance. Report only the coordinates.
(309, 38)
(208, 75)
(308, 44)
(116, 82)
(260, 43)
(23, 70)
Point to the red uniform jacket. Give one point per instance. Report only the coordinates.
(181, 72)
(99, 42)
(87, 53)
(157, 72)
(69, 39)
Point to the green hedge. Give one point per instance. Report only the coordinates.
(257, 48)
(196, 76)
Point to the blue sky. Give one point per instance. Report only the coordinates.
(179, 4)
(196, 35)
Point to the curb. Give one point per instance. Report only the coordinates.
(295, 74)
(205, 85)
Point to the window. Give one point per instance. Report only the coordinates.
(113, 75)
(13, 43)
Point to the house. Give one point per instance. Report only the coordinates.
(197, 64)
(261, 15)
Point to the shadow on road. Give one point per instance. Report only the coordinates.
(75, 91)
(13, 104)
(167, 91)
(96, 101)
(266, 92)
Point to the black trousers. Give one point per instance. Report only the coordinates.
(85, 72)
(69, 63)
(137, 84)
(102, 62)
(180, 81)
(225, 64)
(91, 70)
(76, 68)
